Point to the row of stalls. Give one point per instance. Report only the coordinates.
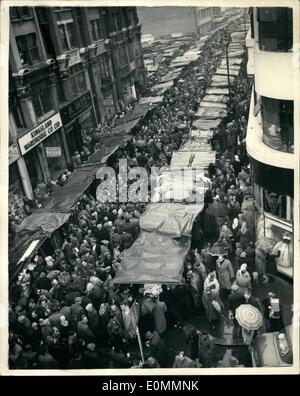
(40, 231)
(171, 219)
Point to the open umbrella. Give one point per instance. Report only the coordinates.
(249, 317)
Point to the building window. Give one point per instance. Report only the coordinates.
(278, 123)
(28, 49)
(97, 29)
(41, 97)
(19, 12)
(78, 80)
(16, 111)
(60, 91)
(123, 58)
(275, 28)
(68, 36)
(104, 68)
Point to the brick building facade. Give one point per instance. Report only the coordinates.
(70, 69)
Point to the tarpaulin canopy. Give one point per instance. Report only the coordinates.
(153, 258)
(217, 91)
(199, 134)
(152, 99)
(125, 127)
(109, 144)
(64, 199)
(21, 244)
(223, 72)
(46, 222)
(160, 89)
(172, 219)
(178, 185)
(206, 124)
(138, 112)
(213, 105)
(215, 98)
(196, 144)
(210, 113)
(231, 61)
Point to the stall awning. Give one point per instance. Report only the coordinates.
(182, 159)
(45, 221)
(64, 199)
(153, 258)
(152, 99)
(109, 144)
(172, 219)
(204, 124)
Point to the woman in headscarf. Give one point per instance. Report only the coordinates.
(243, 278)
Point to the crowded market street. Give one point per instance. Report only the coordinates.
(160, 280)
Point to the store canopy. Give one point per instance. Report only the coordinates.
(217, 91)
(172, 219)
(160, 89)
(65, 198)
(210, 113)
(140, 110)
(25, 246)
(153, 258)
(178, 185)
(213, 105)
(152, 99)
(208, 134)
(125, 127)
(204, 124)
(46, 222)
(183, 159)
(108, 145)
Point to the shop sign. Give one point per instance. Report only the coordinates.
(13, 153)
(74, 109)
(38, 134)
(53, 152)
(74, 57)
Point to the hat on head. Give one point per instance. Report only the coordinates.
(89, 307)
(234, 287)
(244, 267)
(104, 242)
(78, 299)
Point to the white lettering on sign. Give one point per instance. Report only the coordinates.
(38, 134)
(74, 57)
(53, 152)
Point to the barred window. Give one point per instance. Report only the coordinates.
(41, 97)
(28, 50)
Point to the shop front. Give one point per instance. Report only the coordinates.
(16, 191)
(79, 122)
(273, 194)
(39, 158)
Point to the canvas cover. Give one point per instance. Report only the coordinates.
(146, 260)
(172, 219)
(46, 222)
